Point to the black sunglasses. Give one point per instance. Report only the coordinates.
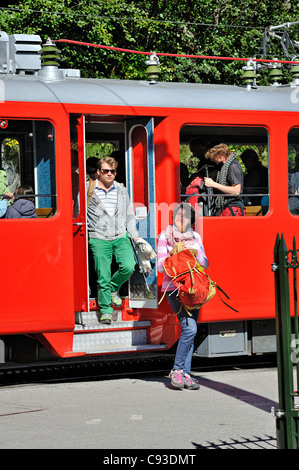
(105, 172)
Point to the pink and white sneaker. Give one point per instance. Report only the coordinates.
(190, 382)
(177, 378)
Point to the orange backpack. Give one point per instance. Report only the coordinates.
(194, 286)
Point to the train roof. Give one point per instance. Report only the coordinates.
(26, 75)
(75, 90)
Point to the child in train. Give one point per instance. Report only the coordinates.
(23, 206)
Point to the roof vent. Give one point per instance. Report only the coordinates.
(19, 53)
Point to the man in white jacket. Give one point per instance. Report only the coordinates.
(111, 223)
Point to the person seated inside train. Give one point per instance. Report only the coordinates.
(121, 165)
(4, 188)
(204, 168)
(255, 179)
(4, 203)
(229, 182)
(91, 171)
(23, 206)
(198, 148)
(184, 179)
(196, 191)
(293, 185)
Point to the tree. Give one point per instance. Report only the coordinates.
(197, 27)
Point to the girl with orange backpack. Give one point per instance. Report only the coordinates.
(177, 236)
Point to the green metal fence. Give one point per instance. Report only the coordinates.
(287, 415)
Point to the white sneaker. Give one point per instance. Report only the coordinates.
(177, 378)
(190, 382)
(106, 318)
(115, 299)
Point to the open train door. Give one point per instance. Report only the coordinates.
(77, 126)
(140, 169)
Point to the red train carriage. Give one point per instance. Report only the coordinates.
(46, 279)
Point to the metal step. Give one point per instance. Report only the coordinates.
(93, 337)
(90, 321)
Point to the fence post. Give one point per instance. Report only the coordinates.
(286, 414)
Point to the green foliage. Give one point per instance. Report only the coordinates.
(10, 150)
(99, 150)
(186, 158)
(198, 27)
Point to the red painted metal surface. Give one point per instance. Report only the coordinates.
(36, 288)
(37, 281)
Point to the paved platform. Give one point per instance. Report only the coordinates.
(232, 410)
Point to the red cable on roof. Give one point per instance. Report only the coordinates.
(176, 55)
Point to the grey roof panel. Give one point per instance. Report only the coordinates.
(141, 93)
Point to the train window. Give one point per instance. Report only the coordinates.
(28, 164)
(249, 145)
(138, 142)
(293, 171)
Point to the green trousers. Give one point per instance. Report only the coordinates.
(103, 251)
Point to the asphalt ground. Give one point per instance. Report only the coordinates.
(233, 409)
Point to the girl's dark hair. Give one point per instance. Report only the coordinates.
(189, 212)
(23, 191)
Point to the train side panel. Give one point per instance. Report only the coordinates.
(37, 292)
(37, 286)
